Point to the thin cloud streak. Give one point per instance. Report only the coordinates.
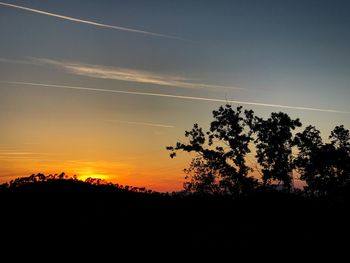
(120, 28)
(15, 61)
(175, 97)
(143, 123)
(9, 155)
(128, 75)
(21, 153)
(16, 158)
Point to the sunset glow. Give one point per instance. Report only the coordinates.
(99, 89)
(93, 175)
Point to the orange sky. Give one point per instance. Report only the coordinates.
(90, 156)
(157, 177)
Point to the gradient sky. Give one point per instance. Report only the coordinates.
(100, 88)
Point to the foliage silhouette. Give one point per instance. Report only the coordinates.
(219, 165)
(274, 144)
(324, 166)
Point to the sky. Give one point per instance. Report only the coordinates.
(100, 88)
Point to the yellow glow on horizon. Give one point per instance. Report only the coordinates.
(84, 173)
(117, 165)
(85, 176)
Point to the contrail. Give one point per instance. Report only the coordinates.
(92, 22)
(174, 96)
(143, 123)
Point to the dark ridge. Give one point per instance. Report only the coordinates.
(63, 216)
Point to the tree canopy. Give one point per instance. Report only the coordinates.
(274, 142)
(219, 164)
(325, 167)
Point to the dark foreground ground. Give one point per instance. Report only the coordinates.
(60, 220)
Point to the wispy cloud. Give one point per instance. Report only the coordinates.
(163, 95)
(21, 153)
(143, 123)
(120, 73)
(12, 155)
(129, 75)
(16, 61)
(93, 23)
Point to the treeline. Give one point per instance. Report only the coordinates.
(220, 158)
(62, 179)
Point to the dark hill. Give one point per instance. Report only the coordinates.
(69, 217)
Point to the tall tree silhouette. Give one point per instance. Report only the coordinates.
(219, 164)
(324, 167)
(308, 162)
(274, 141)
(340, 140)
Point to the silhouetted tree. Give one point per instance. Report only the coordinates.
(94, 181)
(219, 165)
(340, 138)
(26, 180)
(274, 141)
(307, 162)
(324, 167)
(61, 176)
